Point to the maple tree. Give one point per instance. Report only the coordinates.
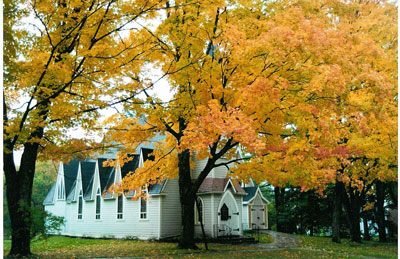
(63, 58)
(300, 85)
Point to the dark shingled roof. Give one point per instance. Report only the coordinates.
(50, 196)
(217, 185)
(147, 154)
(251, 191)
(154, 188)
(109, 182)
(104, 172)
(87, 172)
(70, 172)
(71, 195)
(130, 166)
(88, 194)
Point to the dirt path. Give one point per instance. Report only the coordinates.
(281, 240)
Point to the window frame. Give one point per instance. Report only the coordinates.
(80, 205)
(143, 214)
(98, 204)
(60, 190)
(120, 215)
(224, 216)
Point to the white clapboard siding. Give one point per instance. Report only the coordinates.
(170, 210)
(218, 172)
(245, 217)
(207, 217)
(198, 167)
(57, 209)
(221, 171)
(239, 201)
(109, 226)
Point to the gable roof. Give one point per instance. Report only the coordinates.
(50, 195)
(87, 173)
(70, 172)
(130, 166)
(251, 191)
(154, 188)
(217, 185)
(71, 195)
(109, 182)
(104, 174)
(147, 154)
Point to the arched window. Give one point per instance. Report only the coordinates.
(224, 212)
(98, 203)
(80, 205)
(198, 211)
(120, 206)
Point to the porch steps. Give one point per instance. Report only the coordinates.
(234, 240)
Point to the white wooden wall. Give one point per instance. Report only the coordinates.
(170, 210)
(108, 225)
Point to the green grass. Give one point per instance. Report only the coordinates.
(67, 247)
(366, 248)
(311, 247)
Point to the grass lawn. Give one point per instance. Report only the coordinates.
(312, 247)
(367, 248)
(67, 247)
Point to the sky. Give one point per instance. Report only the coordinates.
(161, 87)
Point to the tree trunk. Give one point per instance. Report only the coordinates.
(380, 211)
(187, 199)
(352, 207)
(19, 198)
(367, 236)
(279, 192)
(355, 221)
(337, 207)
(19, 185)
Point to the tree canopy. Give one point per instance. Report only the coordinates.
(305, 87)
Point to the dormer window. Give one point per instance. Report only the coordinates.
(60, 189)
(80, 205)
(98, 203)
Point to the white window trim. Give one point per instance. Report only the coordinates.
(140, 209)
(79, 200)
(98, 214)
(122, 213)
(60, 190)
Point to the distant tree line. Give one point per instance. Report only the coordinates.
(46, 174)
(308, 213)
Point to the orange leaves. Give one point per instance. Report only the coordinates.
(213, 122)
(305, 87)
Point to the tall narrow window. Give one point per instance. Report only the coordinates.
(143, 208)
(60, 191)
(98, 204)
(120, 207)
(198, 216)
(80, 204)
